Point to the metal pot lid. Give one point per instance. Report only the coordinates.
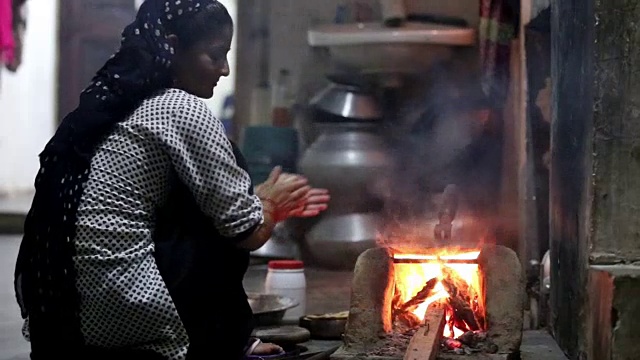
(268, 303)
(348, 102)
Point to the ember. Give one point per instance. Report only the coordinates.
(450, 280)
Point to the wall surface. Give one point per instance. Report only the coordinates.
(28, 101)
(284, 31)
(595, 193)
(465, 9)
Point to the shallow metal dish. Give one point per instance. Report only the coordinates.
(269, 309)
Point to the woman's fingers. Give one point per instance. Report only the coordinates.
(295, 185)
(316, 207)
(308, 211)
(274, 175)
(267, 349)
(298, 196)
(318, 196)
(292, 177)
(317, 191)
(294, 196)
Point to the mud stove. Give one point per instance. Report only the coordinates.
(446, 303)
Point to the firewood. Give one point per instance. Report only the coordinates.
(462, 310)
(421, 296)
(455, 321)
(406, 320)
(397, 298)
(425, 343)
(455, 285)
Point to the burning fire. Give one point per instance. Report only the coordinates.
(450, 279)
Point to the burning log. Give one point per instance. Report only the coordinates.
(460, 301)
(402, 320)
(454, 284)
(397, 298)
(479, 315)
(425, 343)
(462, 311)
(456, 322)
(405, 321)
(421, 296)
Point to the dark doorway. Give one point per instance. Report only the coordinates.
(89, 34)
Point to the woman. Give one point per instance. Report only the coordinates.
(144, 215)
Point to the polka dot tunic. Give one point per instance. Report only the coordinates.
(171, 136)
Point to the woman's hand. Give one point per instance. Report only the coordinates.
(282, 193)
(267, 349)
(314, 203)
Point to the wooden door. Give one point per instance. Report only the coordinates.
(90, 33)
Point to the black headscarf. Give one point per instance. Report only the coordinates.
(45, 277)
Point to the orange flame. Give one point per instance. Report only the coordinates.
(410, 278)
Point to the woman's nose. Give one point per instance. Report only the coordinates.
(225, 69)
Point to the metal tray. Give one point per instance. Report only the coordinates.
(269, 309)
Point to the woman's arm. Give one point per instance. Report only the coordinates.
(203, 159)
(262, 233)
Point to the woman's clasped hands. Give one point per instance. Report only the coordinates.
(290, 195)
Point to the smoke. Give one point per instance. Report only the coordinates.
(446, 135)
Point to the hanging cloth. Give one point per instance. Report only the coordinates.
(19, 29)
(499, 22)
(7, 42)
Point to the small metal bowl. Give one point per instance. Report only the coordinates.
(324, 328)
(269, 309)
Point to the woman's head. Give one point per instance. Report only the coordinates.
(201, 42)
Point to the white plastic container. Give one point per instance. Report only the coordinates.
(286, 278)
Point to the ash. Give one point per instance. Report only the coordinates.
(394, 344)
(471, 342)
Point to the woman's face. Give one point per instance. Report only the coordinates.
(198, 68)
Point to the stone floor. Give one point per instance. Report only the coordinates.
(12, 345)
(327, 292)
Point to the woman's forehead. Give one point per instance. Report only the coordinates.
(221, 40)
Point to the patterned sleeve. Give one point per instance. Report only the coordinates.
(203, 159)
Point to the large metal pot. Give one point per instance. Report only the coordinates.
(346, 159)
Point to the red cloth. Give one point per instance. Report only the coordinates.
(7, 41)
